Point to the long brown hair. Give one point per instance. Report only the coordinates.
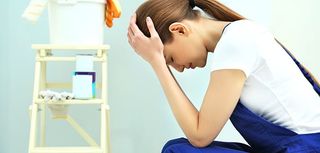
(165, 12)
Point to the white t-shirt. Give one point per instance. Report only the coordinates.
(275, 88)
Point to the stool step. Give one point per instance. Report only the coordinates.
(70, 102)
(66, 150)
(69, 47)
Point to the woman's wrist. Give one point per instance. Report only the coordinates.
(158, 61)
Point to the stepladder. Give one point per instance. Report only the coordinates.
(38, 109)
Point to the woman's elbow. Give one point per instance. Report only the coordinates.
(199, 143)
(202, 139)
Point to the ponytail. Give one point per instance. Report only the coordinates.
(217, 10)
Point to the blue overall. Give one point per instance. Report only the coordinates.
(262, 135)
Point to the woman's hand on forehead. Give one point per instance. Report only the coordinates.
(150, 49)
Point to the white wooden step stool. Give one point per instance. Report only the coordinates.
(44, 55)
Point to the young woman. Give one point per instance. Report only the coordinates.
(269, 97)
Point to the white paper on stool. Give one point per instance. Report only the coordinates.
(82, 86)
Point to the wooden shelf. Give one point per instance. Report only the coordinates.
(67, 150)
(70, 102)
(65, 59)
(69, 47)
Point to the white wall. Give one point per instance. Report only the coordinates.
(296, 24)
(141, 120)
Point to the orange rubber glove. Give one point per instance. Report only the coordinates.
(113, 10)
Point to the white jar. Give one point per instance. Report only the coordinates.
(76, 21)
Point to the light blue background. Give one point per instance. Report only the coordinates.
(141, 120)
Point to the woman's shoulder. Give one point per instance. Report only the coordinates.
(246, 27)
(239, 46)
(244, 31)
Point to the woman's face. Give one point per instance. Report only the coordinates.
(185, 51)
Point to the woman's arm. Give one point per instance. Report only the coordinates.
(200, 127)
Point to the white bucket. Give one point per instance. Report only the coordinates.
(76, 21)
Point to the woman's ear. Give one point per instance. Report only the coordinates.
(179, 28)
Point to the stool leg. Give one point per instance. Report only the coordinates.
(108, 130)
(34, 112)
(43, 125)
(103, 129)
(43, 80)
(32, 137)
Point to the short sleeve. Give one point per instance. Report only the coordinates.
(236, 49)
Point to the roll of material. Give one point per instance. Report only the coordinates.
(53, 96)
